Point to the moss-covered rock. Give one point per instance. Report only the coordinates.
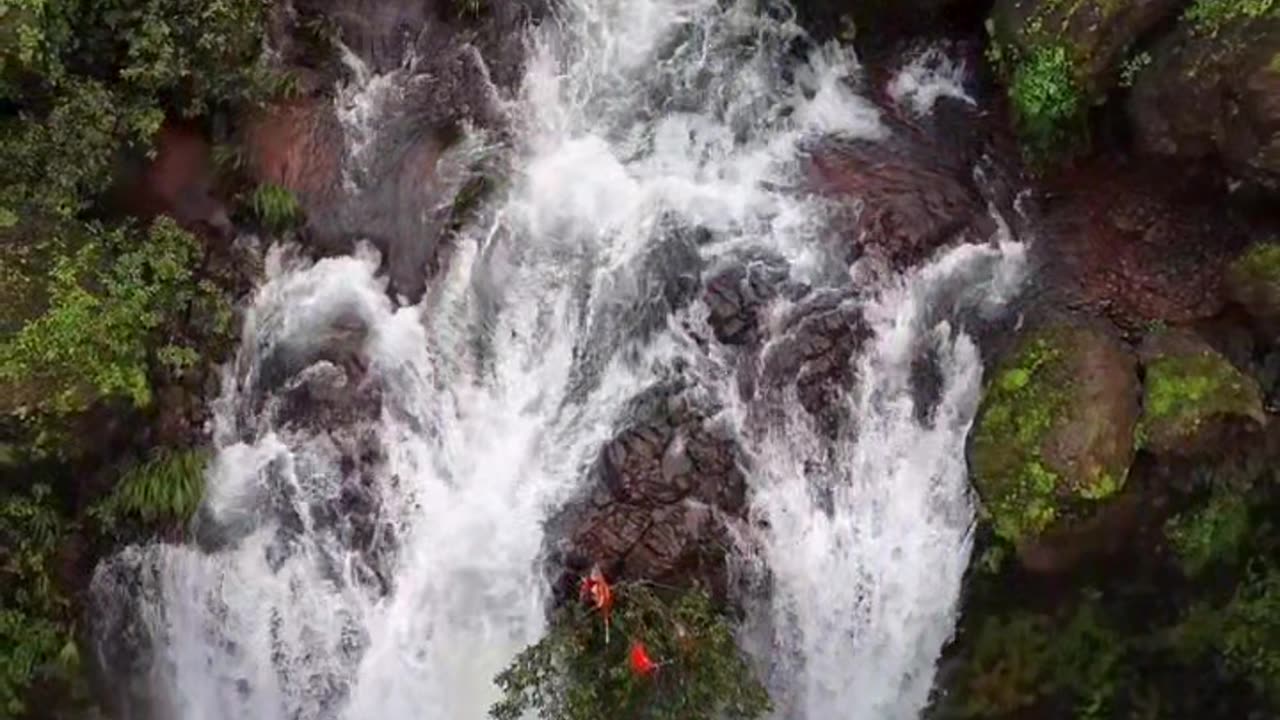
(1193, 397)
(1054, 433)
(1211, 91)
(1253, 282)
(1061, 56)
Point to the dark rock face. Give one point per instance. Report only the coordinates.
(668, 489)
(1214, 95)
(1129, 245)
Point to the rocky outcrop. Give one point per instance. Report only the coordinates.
(1097, 34)
(1194, 401)
(1212, 91)
(1054, 434)
(667, 491)
(379, 164)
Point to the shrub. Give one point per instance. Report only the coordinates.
(574, 674)
(275, 208)
(108, 300)
(34, 625)
(1048, 102)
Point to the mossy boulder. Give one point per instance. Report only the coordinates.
(1253, 282)
(1212, 90)
(1193, 399)
(1054, 433)
(1061, 56)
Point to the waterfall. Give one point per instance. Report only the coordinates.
(371, 542)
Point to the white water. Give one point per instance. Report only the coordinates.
(495, 393)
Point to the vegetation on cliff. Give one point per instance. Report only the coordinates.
(96, 307)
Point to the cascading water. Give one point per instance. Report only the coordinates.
(370, 542)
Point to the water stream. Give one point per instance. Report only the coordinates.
(371, 542)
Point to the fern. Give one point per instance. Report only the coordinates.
(276, 208)
(166, 488)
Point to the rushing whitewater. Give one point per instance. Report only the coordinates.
(371, 542)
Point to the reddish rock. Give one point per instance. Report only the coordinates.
(177, 181)
(1129, 245)
(297, 145)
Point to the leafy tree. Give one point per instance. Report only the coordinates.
(575, 674)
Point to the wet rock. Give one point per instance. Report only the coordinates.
(1212, 93)
(1135, 246)
(1054, 435)
(668, 490)
(1194, 401)
(388, 168)
(901, 198)
(813, 354)
(735, 296)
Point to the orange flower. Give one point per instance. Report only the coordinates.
(641, 663)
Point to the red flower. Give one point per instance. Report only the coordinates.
(641, 663)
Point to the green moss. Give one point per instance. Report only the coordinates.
(1209, 535)
(1048, 102)
(1274, 65)
(1210, 16)
(1181, 392)
(1262, 261)
(1020, 407)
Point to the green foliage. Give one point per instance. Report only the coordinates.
(108, 301)
(34, 625)
(1048, 102)
(469, 7)
(1020, 407)
(88, 77)
(1250, 638)
(1022, 658)
(1134, 65)
(1210, 16)
(1212, 534)
(276, 208)
(573, 674)
(167, 487)
(1182, 391)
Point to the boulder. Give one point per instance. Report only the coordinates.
(1193, 399)
(1253, 281)
(667, 491)
(1054, 433)
(1212, 92)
